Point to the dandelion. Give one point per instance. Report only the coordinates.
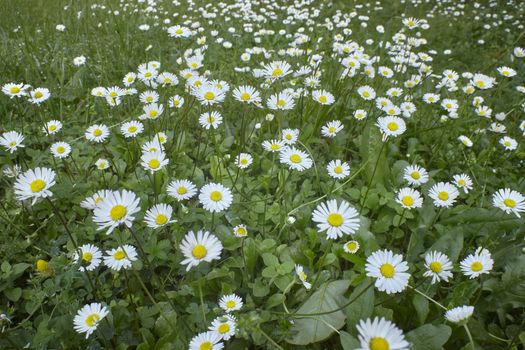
(201, 247)
(88, 318)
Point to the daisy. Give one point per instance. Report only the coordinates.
(11, 140)
(506, 71)
(208, 94)
(391, 126)
(176, 101)
(295, 159)
(121, 257)
(39, 95)
(409, 198)
(444, 194)
(152, 147)
(93, 201)
(79, 61)
(88, 318)
(273, 145)
(129, 79)
(323, 97)
(178, 31)
(246, 94)
(351, 247)
(240, 231)
(431, 98)
(482, 81)
(477, 264)
(336, 220)
(34, 184)
(210, 120)
(182, 189)
(154, 161)
(97, 133)
(299, 270)
(215, 197)
(366, 93)
(230, 302)
(132, 128)
(465, 140)
(509, 201)
(332, 128)
(338, 169)
(60, 149)
(438, 266)
(152, 111)
(116, 209)
(463, 181)
(243, 160)
(277, 69)
(161, 137)
(15, 90)
(201, 247)
(52, 127)
(167, 79)
(159, 215)
(102, 164)
(281, 101)
(206, 341)
(290, 136)
(91, 257)
(224, 326)
(380, 334)
(149, 97)
(389, 269)
(460, 314)
(508, 143)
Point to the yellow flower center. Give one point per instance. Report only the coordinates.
(154, 164)
(161, 219)
(87, 256)
(511, 203)
(335, 219)
(37, 185)
(338, 169)
(244, 161)
(462, 182)
(179, 32)
(92, 320)
(277, 72)
(130, 79)
(275, 146)
(331, 129)
(230, 304)
(351, 246)
(199, 251)
(379, 343)
(38, 94)
(209, 95)
(476, 266)
(387, 270)
(153, 114)
(181, 190)
(119, 255)
(415, 175)
(322, 99)
(443, 195)
(211, 119)
(408, 201)
(61, 149)
(224, 328)
(392, 126)
(148, 74)
(12, 144)
(506, 143)
(241, 231)
(281, 103)
(303, 276)
(366, 94)
(295, 158)
(216, 196)
(117, 212)
(101, 165)
(113, 94)
(149, 98)
(42, 265)
(245, 96)
(132, 128)
(436, 266)
(15, 90)
(52, 127)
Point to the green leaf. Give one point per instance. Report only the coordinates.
(348, 342)
(312, 329)
(362, 307)
(13, 294)
(450, 244)
(429, 337)
(421, 305)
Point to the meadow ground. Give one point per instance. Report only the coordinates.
(262, 174)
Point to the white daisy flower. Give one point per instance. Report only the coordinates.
(463, 181)
(460, 314)
(91, 257)
(281, 101)
(97, 133)
(360, 114)
(366, 92)
(11, 140)
(93, 201)
(210, 120)
(116, 209)
(351, 247)
(39, 95)
(215, 197)
(409, 198)
(154, 161)
(438, 266)
(231, 302)
(34, 184)
(88, 318)
(79, 61)
(295, 159)
(52, 127)
(273, 145)
(208, 94)
(102, 164)
(509, 201)
(477, 264)
(240, 231)
(380, 334)
(206, 341)
(224, 326)
(338, 169)
(152, 111)
(15, 90)
(336, 220)
(508, 143)
(121, 257)
(444, 194)
(389, 269)
(277, 69)
(323, 97)
(201, 247)
(465, 141)
(176, 101)
(243, 160)
(299, 270)
(60, 149)
(132, 128)
(391, 126)
(290, 136)
(246, 94)
(149, 96)
(332, 128)
(182, 189)
(159, 215)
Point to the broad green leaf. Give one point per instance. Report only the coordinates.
(348, 342)
(362, 307)
(429, 337)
